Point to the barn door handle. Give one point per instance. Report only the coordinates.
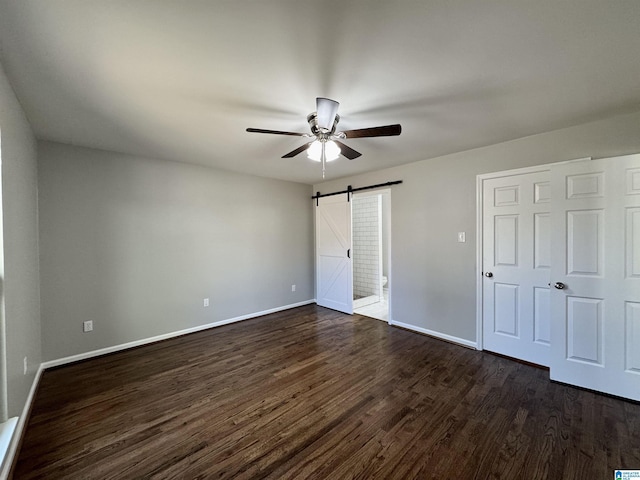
(348, 253)
(560, 285)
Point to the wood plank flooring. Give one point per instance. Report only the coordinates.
(314, 394)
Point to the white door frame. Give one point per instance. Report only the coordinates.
(480, 179)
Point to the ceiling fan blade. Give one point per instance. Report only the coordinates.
(275, 132)
(384, 131)
(348, 152)
(298, 150)
(326, 110)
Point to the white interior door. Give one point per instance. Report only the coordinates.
(334, 270)
(596, 257)
(516, 266)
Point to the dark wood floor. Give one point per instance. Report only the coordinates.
(312, 393)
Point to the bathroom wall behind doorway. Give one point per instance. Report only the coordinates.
(371, 266)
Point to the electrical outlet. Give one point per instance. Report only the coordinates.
(26, 365)
(293, 288)
(87, 326)
(205, 302)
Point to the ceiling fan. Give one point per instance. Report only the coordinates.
(327, 145)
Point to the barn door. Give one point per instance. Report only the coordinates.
(595, 275)
(334, 271)
(515, 263)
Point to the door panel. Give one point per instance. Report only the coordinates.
(585, 185)
(541, 240)
(632, 340)
(334, 274)
(506, 309)
(541, 313)
(516, 251)
(541, 192)
(585, 242)
(506, 196)
(633, 181)
(506, 240)
(632, 247)
(594, 319)
(584, 329)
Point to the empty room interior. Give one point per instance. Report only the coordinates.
(296, 239)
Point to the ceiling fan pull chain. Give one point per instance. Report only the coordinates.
(323, 159)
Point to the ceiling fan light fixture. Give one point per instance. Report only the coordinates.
(331, 151)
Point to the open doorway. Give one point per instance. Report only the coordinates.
(371, 235)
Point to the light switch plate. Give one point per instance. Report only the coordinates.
(462, 237)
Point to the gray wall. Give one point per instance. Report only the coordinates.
(434, 277)
(21, 281)
(136, 245)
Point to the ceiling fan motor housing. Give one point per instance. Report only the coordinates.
(312, 119)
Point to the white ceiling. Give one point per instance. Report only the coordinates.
(183, 80)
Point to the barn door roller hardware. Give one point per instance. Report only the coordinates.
(350, 190)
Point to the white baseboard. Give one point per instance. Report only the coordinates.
(157, 338)
(20, 426)
(432, 333)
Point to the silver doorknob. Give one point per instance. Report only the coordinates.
(560, 285)
(488, 274)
